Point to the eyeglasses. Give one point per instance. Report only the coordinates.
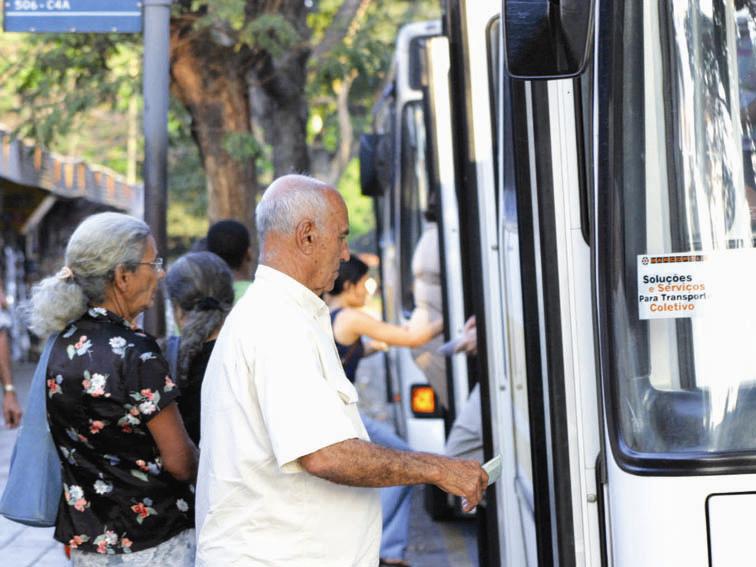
(157, 264)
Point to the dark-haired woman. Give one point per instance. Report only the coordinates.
(350, 325)
(200, 286)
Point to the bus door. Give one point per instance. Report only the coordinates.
(395, 170)
(547, 394)
(472, 28)
(675, 265)
(543, 399)
(672, 246)
(444, 184)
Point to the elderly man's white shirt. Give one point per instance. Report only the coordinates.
(274, 391)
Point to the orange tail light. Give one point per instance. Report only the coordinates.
(423, 401)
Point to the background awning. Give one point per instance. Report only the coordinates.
(27, 165)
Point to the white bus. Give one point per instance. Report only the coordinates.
(602, 164)
(400, 168)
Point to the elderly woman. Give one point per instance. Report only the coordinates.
(200, 286)
(127, 459)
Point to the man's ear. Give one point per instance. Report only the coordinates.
(121, 278)
(305, 235)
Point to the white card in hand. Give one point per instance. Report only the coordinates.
(493, 469)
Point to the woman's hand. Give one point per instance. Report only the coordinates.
(469, 340)
(178, 453)
(375, 346)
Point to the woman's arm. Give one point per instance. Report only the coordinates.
(178, 453)
(352, 323)
(11, 409)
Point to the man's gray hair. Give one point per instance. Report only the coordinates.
(98, 245)
(287, 201)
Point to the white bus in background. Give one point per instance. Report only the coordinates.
(400, 169)
(602, 186)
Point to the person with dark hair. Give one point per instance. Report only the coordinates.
(200, 286)
(230, 240)
(350, 324)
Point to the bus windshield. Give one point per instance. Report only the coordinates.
(677, 242)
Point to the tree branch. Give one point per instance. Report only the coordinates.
(339, 29)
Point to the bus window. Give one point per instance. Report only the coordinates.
(682, 158)
(414, 193)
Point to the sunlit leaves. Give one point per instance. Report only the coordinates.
(241, 145)
(270, 33)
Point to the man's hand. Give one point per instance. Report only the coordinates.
(11, 410)
(359, 463)
(463, 478)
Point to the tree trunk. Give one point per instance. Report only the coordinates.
(279, 101)
(346, 148)
(209, 80)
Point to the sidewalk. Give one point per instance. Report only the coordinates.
(21, 546)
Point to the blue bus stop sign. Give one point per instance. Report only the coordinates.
(83, 16)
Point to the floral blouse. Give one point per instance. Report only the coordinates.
(105, 382)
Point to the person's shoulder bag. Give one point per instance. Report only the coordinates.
(33, 491)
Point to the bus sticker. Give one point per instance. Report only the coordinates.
(690, 284)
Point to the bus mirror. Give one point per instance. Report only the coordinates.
(544, 39)
(369, 181)
(376, 167)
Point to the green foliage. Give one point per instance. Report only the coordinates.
(70, 75)
(72, 91)
(184, 223)
(187, 185)
(241, 145)
(361, 215)
(364, 59)
(223, 12)
(233, 24)
(271, 33)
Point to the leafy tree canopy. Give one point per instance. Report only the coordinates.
(80, 94)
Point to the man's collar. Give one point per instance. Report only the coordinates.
(291, 287)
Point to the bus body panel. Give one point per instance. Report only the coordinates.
(662, 521)
(440, 108)
(422, 434)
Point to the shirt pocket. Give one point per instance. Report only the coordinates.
(346, 390)
(333, 372)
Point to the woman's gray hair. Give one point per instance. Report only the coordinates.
(201, 284)
(98, 245)
(287, 201)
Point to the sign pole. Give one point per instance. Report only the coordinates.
(156, 84)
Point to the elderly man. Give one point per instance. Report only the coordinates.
(287, 472)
